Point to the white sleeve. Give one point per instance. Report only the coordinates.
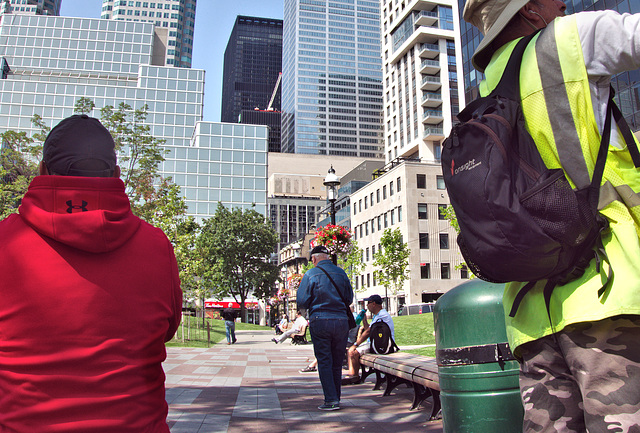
(610, 42)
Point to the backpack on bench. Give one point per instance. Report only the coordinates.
(381, 339)
(519, 220)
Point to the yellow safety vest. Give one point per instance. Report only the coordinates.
(556, 102)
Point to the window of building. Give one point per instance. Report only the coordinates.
(368, 280)
(360, 205)
(398, 186)
(391, 189)
(367, 254)
(464, 272)
(421, 180)
(362, 280)
(379, 222)
(444, 241)
(424, 241)
(373, 226)
(373, 252)
(425, 271)
(440, 182)
(366, 229)
(386, 220)
(377, 196)
(422, 211)
(371, 199)
(355, 209)
(399, 214)
(441, 211)
(366, 202)
(384, 192)
(445, 271)
(393, 216)
(374, 277)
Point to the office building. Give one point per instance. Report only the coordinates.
(54, 61)
(422, 95)
(264, 117)
(332, 78)
(626, 84)
(174, 26)
(30, 7)
(252, 65)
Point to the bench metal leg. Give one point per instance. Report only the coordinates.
(365, 371)
(421, 393)
(436, 408)
(393, 381)
(380, 378)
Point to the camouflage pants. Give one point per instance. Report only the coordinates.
(585, 378)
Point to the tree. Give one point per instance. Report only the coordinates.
(352, 262)
(19, 157)
(392, 260)
(235, 247)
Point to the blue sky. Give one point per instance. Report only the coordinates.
(214, 21)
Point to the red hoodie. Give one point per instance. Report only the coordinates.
(89, 293)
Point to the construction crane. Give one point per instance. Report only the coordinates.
(275, 90)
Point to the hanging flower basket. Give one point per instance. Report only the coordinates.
(337, 239)
(293, 282)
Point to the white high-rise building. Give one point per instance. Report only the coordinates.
(174, 26)
(421, 52)
(332, 78)
(30, 7)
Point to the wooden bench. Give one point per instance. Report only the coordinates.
(419, 372)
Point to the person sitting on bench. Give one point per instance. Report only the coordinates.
(298, 325)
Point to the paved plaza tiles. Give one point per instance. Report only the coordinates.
(254, 386)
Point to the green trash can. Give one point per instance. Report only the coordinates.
(477, 371)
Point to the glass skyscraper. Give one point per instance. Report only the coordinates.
(332, 78)
(174, 21)
(30, 7)
(54, 61)
(252, 64)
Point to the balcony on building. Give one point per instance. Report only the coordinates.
(429, 66)
(433, 133)
(429, 82)
(432, 117)
(431, 99)
(429, 51)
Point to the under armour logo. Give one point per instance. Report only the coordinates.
(71, 207)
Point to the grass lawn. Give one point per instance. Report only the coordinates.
(415, 330)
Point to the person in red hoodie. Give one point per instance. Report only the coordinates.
(89, 294)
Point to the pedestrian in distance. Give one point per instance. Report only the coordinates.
(229, 316)
(88, 297)
(578, 348)
(326, 293)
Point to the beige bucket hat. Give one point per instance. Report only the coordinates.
(490, 17)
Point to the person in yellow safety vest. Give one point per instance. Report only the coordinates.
(580, 362)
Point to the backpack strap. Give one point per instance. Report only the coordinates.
(352, 321)
(509, 84)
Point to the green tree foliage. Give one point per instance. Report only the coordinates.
(391, 261)
(450, 215)
(234, 247)
(352, 263)
(19, 158)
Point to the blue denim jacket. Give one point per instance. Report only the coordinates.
(319, 296)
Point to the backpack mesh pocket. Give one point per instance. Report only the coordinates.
(556, 208)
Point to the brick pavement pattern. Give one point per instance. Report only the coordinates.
(254, 385)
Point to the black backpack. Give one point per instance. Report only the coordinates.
(381, 340)
(519, 220)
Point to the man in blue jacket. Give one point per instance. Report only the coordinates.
(325, 291)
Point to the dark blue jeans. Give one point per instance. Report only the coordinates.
(329, 340)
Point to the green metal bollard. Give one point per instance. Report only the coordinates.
(477, 371)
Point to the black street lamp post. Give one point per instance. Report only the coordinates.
(332, 182)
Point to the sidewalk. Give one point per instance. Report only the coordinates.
(254, 385)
